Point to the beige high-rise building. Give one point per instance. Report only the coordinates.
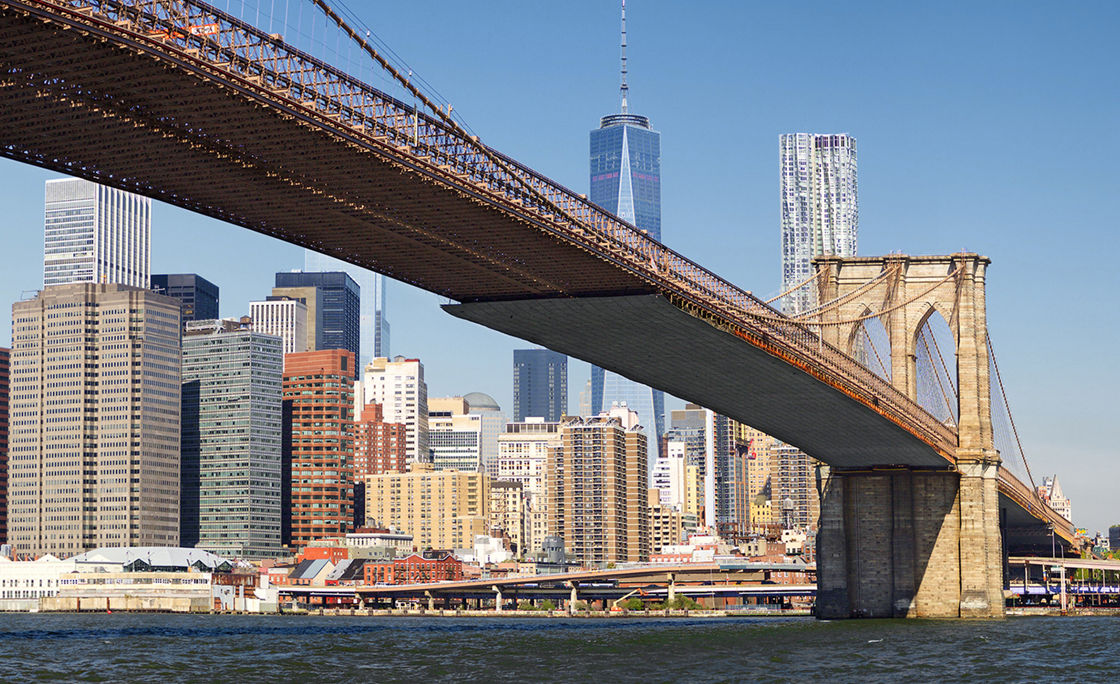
(793, 480)
(759, 457)
(283, 317)
(95, 419)
(694, 491)
(597, 488)
(312, 299)
(666, 523)
(441, 509)
(454, 435)
(523, 451)
(536, 525)
(507, 511)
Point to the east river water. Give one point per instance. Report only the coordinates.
(243, 648)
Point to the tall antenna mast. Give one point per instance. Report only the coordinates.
(625, 89)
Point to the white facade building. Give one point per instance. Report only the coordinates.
(30, 580)
(398, 541)
(398, 385)
(670, 475)
(454, 435)
(1051, 492)
(374, 322)
(493, 423)
(95, 234)
(487, 551)
(819, 207)
(284, 318)
(522, 452)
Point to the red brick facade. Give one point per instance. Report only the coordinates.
(379, 447)
(415, 569)
(319, 446)
(332, 553)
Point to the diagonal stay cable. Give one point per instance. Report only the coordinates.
(1007, 407)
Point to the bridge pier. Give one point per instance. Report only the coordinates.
(907, 542)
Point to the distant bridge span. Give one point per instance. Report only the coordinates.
(179, 101)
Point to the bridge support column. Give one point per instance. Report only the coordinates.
(982, 561)
(904, 542)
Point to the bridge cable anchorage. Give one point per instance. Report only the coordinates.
(839, 301)
(1007, 407)
(445, 117)
(858, 319)
(795, 288)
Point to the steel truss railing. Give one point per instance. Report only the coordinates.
(351, 106)
(1028, 499)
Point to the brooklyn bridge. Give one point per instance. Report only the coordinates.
(185, 103)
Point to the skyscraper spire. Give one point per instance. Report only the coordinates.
(624, 89)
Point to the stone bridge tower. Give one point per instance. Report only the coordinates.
(897, 541)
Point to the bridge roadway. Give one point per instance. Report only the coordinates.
(181, 102)
(741, 579)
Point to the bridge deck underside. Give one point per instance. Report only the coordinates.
(656, 343)
(166, 127)
(1028, 531)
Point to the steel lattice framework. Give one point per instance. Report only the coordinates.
(182, 102)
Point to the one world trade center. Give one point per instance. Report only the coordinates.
(626, 180)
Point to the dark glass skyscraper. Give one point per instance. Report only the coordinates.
(337, 315)
(199, 296)
(626, 180)
(540, 384)
(375, 321)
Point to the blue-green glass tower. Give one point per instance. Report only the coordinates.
(626, 180)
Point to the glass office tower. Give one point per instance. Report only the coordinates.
(95, 234)
(626, 181)
(333, 302)
(820, 208)
(540, 384)
(374, 324)
(198, 295)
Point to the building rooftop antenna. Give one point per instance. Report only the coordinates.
(624, 89)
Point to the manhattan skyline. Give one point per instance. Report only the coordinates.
(979, 148)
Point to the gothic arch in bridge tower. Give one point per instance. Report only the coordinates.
(869, 344)
(904, 292)
(934, 366)
(932, 538)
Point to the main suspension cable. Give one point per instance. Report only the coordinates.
(1011, 418)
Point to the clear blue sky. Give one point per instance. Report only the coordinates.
(991, 127)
